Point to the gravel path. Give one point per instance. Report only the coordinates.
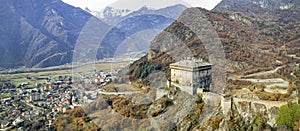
(265, 72)
(268, 83)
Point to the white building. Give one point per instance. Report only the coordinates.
(35, 96)
(192, 76)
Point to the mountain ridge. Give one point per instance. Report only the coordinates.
(263, 8)
(142, 25)
(44, 34)
(114, 16)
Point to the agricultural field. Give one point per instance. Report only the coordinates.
(38, 75)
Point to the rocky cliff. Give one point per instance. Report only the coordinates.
(175, 110)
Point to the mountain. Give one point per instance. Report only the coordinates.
(172, 12)
(264, 8)
(94, 13)
(134, 32)
(43, 34)
(114, 16)
(111, 15)
(250, 43)
(276, 18)
(39, 33)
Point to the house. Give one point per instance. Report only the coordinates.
(18, 122)
(35, 96)
(6, 99)
(192, 76)
(48, 86)
(99, 80)
(25, 84)
(61, 78)
(5, 123)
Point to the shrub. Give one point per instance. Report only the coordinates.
(288, 114)
(199, 108)
(165, 102)
(77, 112)
(216, 123)
(146, 68)
(272, 96)
(290, 89)
(199, 98)
(166, 87)
(251, 88)
(177, 81)
(239, 88)
(226, 15)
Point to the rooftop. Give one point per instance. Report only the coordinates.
(190, 64)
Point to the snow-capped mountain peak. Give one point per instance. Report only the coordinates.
(109, 12)
(94, 13)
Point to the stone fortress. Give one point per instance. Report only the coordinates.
(195, 77)
(192, 76)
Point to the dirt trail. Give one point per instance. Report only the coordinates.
(268, 83)
(268, 104)
(265, 72)
(294, 56)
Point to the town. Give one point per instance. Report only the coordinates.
(28, 105)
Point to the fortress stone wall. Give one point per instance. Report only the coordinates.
(191, 76)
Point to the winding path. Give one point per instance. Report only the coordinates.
(112, 93)
(265, 72)
(268, 83)
(117, 93)
(294, 56)
(268, 104)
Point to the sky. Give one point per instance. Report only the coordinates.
(98, 5)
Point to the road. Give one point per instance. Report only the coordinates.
(268, 104)
(117, 93)
(34, 107)
(265, 72)
(294, 56)
(268, 83)
(99, 91)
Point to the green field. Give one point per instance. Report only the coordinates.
(19, 78)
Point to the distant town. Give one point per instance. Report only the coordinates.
(23, 104)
